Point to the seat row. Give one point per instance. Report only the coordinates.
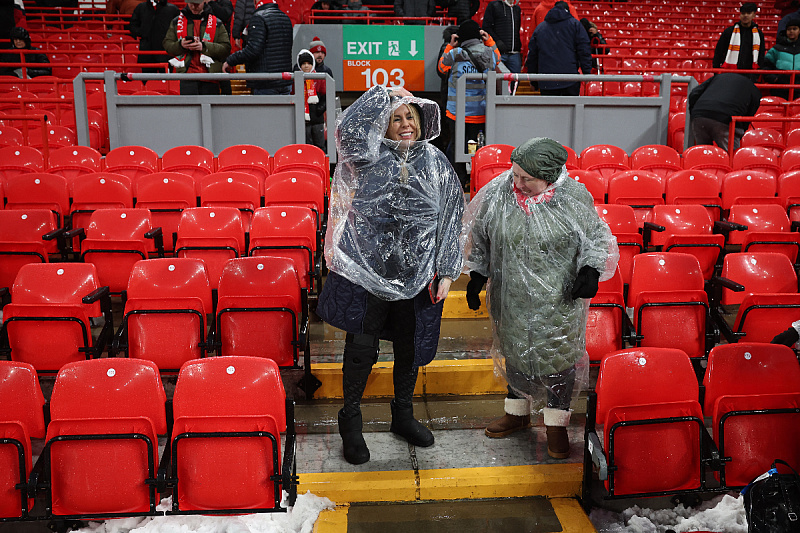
(101, 429)
(652, 412)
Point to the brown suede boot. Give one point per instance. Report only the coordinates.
(555, 423)
(557, 442)
(517, 417)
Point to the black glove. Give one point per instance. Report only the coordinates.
(474, 287)
(787, 338)
(585, 285)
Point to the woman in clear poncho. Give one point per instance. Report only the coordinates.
(534, 233)
(392, 247)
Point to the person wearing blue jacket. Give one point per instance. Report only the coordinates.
(559, 45)
(785, 55)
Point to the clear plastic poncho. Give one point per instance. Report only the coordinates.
(395, 213)
(532, 260)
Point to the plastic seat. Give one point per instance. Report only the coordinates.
(747, 187)
(296, 187)
(288, 231)
(790, 159)
(27, 236)
(687, 229)
(639, 189)
(99, 190)
(11, 136)
(594, 183)
(15, 160)
(711, 159)
(694, 187)
(132, 161)
(789, 194)
(764, 137)
(57, 137)
(240, 405)
(73, 161)
(752, 394)
(767, 229)
(793, 137)
(262, 310)
(196, 161)
(89, 473)
(245, 158)
(572, 159)
(302, 157)
(768, 300)
(47, 321)
(213, 234)
(166, 308)
(757, 158)
(21, 420)
(604, 158)
(676, 128)
(660, 160)
(165, 195)
(115, 240)
(605, 321)
(488, 162)
(232, 189)
(653, 423)
(622, 222)
(39, 191)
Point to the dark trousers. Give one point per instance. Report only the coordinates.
(199, 87)
(361, 353)
(557, 386)
(710, 131)
(571, 90)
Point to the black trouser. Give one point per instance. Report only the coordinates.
(558, 386)
(569, 90)
(361, 352)
(199, 87)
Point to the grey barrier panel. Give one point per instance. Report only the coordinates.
(576, 121)
(161, 122)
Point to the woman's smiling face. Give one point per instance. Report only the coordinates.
(403, 126)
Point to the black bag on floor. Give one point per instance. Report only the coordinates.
(772, 501)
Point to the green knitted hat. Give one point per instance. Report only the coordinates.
(540, 157)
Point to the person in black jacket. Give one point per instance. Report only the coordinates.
(149, 23)
(21, 40)
(415, 8)
(463, 10)
(268, 49)
(715, 101)
(501, 20)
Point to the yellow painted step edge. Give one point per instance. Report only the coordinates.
(445, 377)
(455, 306)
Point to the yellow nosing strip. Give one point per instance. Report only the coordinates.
(332, 520)
(455, 306)
(570, 515)
(552, 481)
(445, 377)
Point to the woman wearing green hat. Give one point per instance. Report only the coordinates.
(535, 235)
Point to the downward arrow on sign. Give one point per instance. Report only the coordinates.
(413, 50)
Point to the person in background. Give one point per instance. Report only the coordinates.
(596, 42)
(785, 55)
(21, 40)
(535, 236)
(12, 15)
(415, 8)
(198, 43)
(502, 20)
(314, 101)
(149, 23)
(317, 47)
(559, 45)
(463, 10)
(713, 103)
(268, 49)
(393, 248)
(470, 51)
(122, 7)
(442, 142)
(741, 46)
(543, 9)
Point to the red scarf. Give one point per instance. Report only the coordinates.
(310, 90)
(262, 2)
(527, 202)
(183, 32)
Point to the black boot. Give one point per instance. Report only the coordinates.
(355, 448)
(405, 425)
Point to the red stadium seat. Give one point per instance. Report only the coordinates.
(764, 137)
(15, 160)
(660, 160)
(47, 322)
(669, 302)
(296, 187)
(605, 321)
(27, 236)
(622, 222)
(132, 161)
(11, 136)
(288, 231)
(757, 158)
(232, 189)
(753, 398)
(694, 187)
(229, 416)
(790, 159)
(56, 136)
(39, 191)
(594, 183)
(102, 440)
(195, 161)
(22, 419)
(604, 158)
(747, 187)
(639, 189)
(767, 229)
(711, 159)
(245, 158)
(166, 195)
(302, 157)
(213, 234)
(72, 161)
(660, 452)
(488, 162)
(167, 302)
(789, 194)
(99, 190)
